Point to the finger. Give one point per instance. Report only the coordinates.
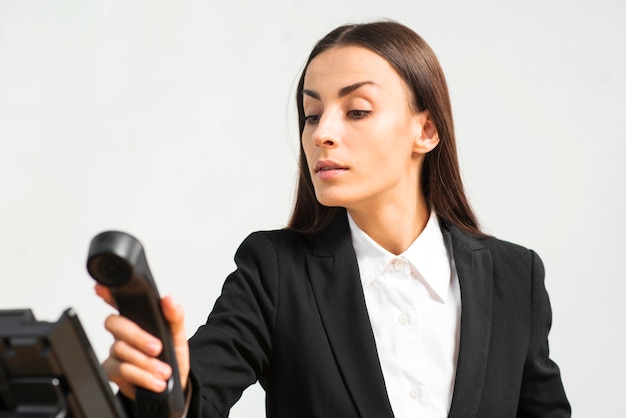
(105, 293)
(127, 375)
(111, 369)
(123, 329)
(125, 353)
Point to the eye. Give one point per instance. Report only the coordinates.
(358, 114)
(310, 119)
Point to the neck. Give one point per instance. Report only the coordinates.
(393, 228)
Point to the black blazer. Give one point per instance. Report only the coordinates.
(293, 317)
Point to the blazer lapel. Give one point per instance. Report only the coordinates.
(475, 271)
(334, 276)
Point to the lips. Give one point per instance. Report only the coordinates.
(328, 165)
(328, 170)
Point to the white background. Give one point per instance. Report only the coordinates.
(175, 121)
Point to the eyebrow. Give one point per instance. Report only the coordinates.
(344, 91)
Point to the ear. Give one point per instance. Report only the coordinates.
(426, 136)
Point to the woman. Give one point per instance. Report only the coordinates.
(382, 298)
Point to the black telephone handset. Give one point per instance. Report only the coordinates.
(117, 260)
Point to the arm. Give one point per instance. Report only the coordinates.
(233, 349)
(226, 355)
(542, 394)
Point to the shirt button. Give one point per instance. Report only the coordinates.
(398, 265)
(415, 392)
(404, 318)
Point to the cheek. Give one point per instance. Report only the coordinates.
(307, 149)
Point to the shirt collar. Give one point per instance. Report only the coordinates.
(427, 255)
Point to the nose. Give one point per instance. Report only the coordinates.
(327, 131)
(324, 141)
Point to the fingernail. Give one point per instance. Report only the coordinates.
(159, 385)
(163, 370)
(154, 347)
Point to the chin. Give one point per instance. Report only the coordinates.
(329, 200)
(333, 200)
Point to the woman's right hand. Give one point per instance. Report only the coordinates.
(132, 358)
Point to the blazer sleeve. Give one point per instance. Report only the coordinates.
(233, 349)
(542, 393)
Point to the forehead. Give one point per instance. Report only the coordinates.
(340, 66)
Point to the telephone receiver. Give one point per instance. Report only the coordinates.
(117, 260)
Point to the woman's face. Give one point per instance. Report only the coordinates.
(363, 143)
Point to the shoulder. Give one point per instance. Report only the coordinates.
(506, 249)
(504, 254)
(278, 238)
(514, 258)
(278, 243)
(286, 239)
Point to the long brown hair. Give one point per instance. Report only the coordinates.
(418, 66)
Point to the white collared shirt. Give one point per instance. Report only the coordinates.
(414, 304)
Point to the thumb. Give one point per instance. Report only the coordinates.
(175, 315)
